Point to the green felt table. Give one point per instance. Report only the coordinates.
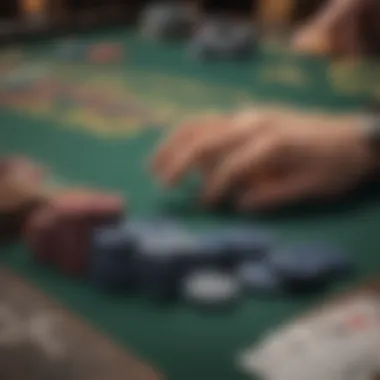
(91, 142)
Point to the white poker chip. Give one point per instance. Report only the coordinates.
(210, 288)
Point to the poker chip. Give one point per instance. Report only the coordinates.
(141, 227)
(222, 38)
(210, 288)
(241, 243)
(164, 257)
(111, 262)
(112, 238)
(310, 261)
(168, 21)
(105, 53)
(72, 245)
(259, 277)
(94, 205)
(38, 234)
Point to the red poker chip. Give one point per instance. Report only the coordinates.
(84, 203)
(39, 234)
(73, 241)
(59, 233)
(105, 53)
(78, 212)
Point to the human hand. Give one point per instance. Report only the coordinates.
(273, 156)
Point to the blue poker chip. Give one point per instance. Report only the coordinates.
(111, 272)
(310, 261)
(141, 227)
(213, 250)
(228, 247)
(112, 265)
(260, 277)
(245, 242)
(112, 238)
(164, 257)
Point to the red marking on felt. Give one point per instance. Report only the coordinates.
(359, 322)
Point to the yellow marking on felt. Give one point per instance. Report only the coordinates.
(285, 74)
(41, 108)
(163, 113)
(115, 128)
(97, 125)
(77, 117)
(126, 126)
(347, 79)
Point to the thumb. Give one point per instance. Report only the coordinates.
(279, 192)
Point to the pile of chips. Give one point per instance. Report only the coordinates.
(167, 20)
(215, 37)
(83, 232)
(223, 39)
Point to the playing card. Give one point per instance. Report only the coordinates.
(339, 343)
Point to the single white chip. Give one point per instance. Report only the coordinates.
(210, 287)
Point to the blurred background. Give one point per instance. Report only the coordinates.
(30, 17)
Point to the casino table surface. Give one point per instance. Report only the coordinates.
(96, 124)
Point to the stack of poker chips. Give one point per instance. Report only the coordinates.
(55, 221)
(168, 20)
(163, 260)
(210, 37)
(221, 38)
(85, 233)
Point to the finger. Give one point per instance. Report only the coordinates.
(275, 193)
(241, 126)
(212, 144)
(191, 153)
(254, 159)
(181, 136)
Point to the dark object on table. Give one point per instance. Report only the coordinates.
(163, 256)
(168, 21)
(228, 247)
(221, 38)
(112, 264)
(141, 255)
(70, 349)
(257, 277)
(310, 262)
